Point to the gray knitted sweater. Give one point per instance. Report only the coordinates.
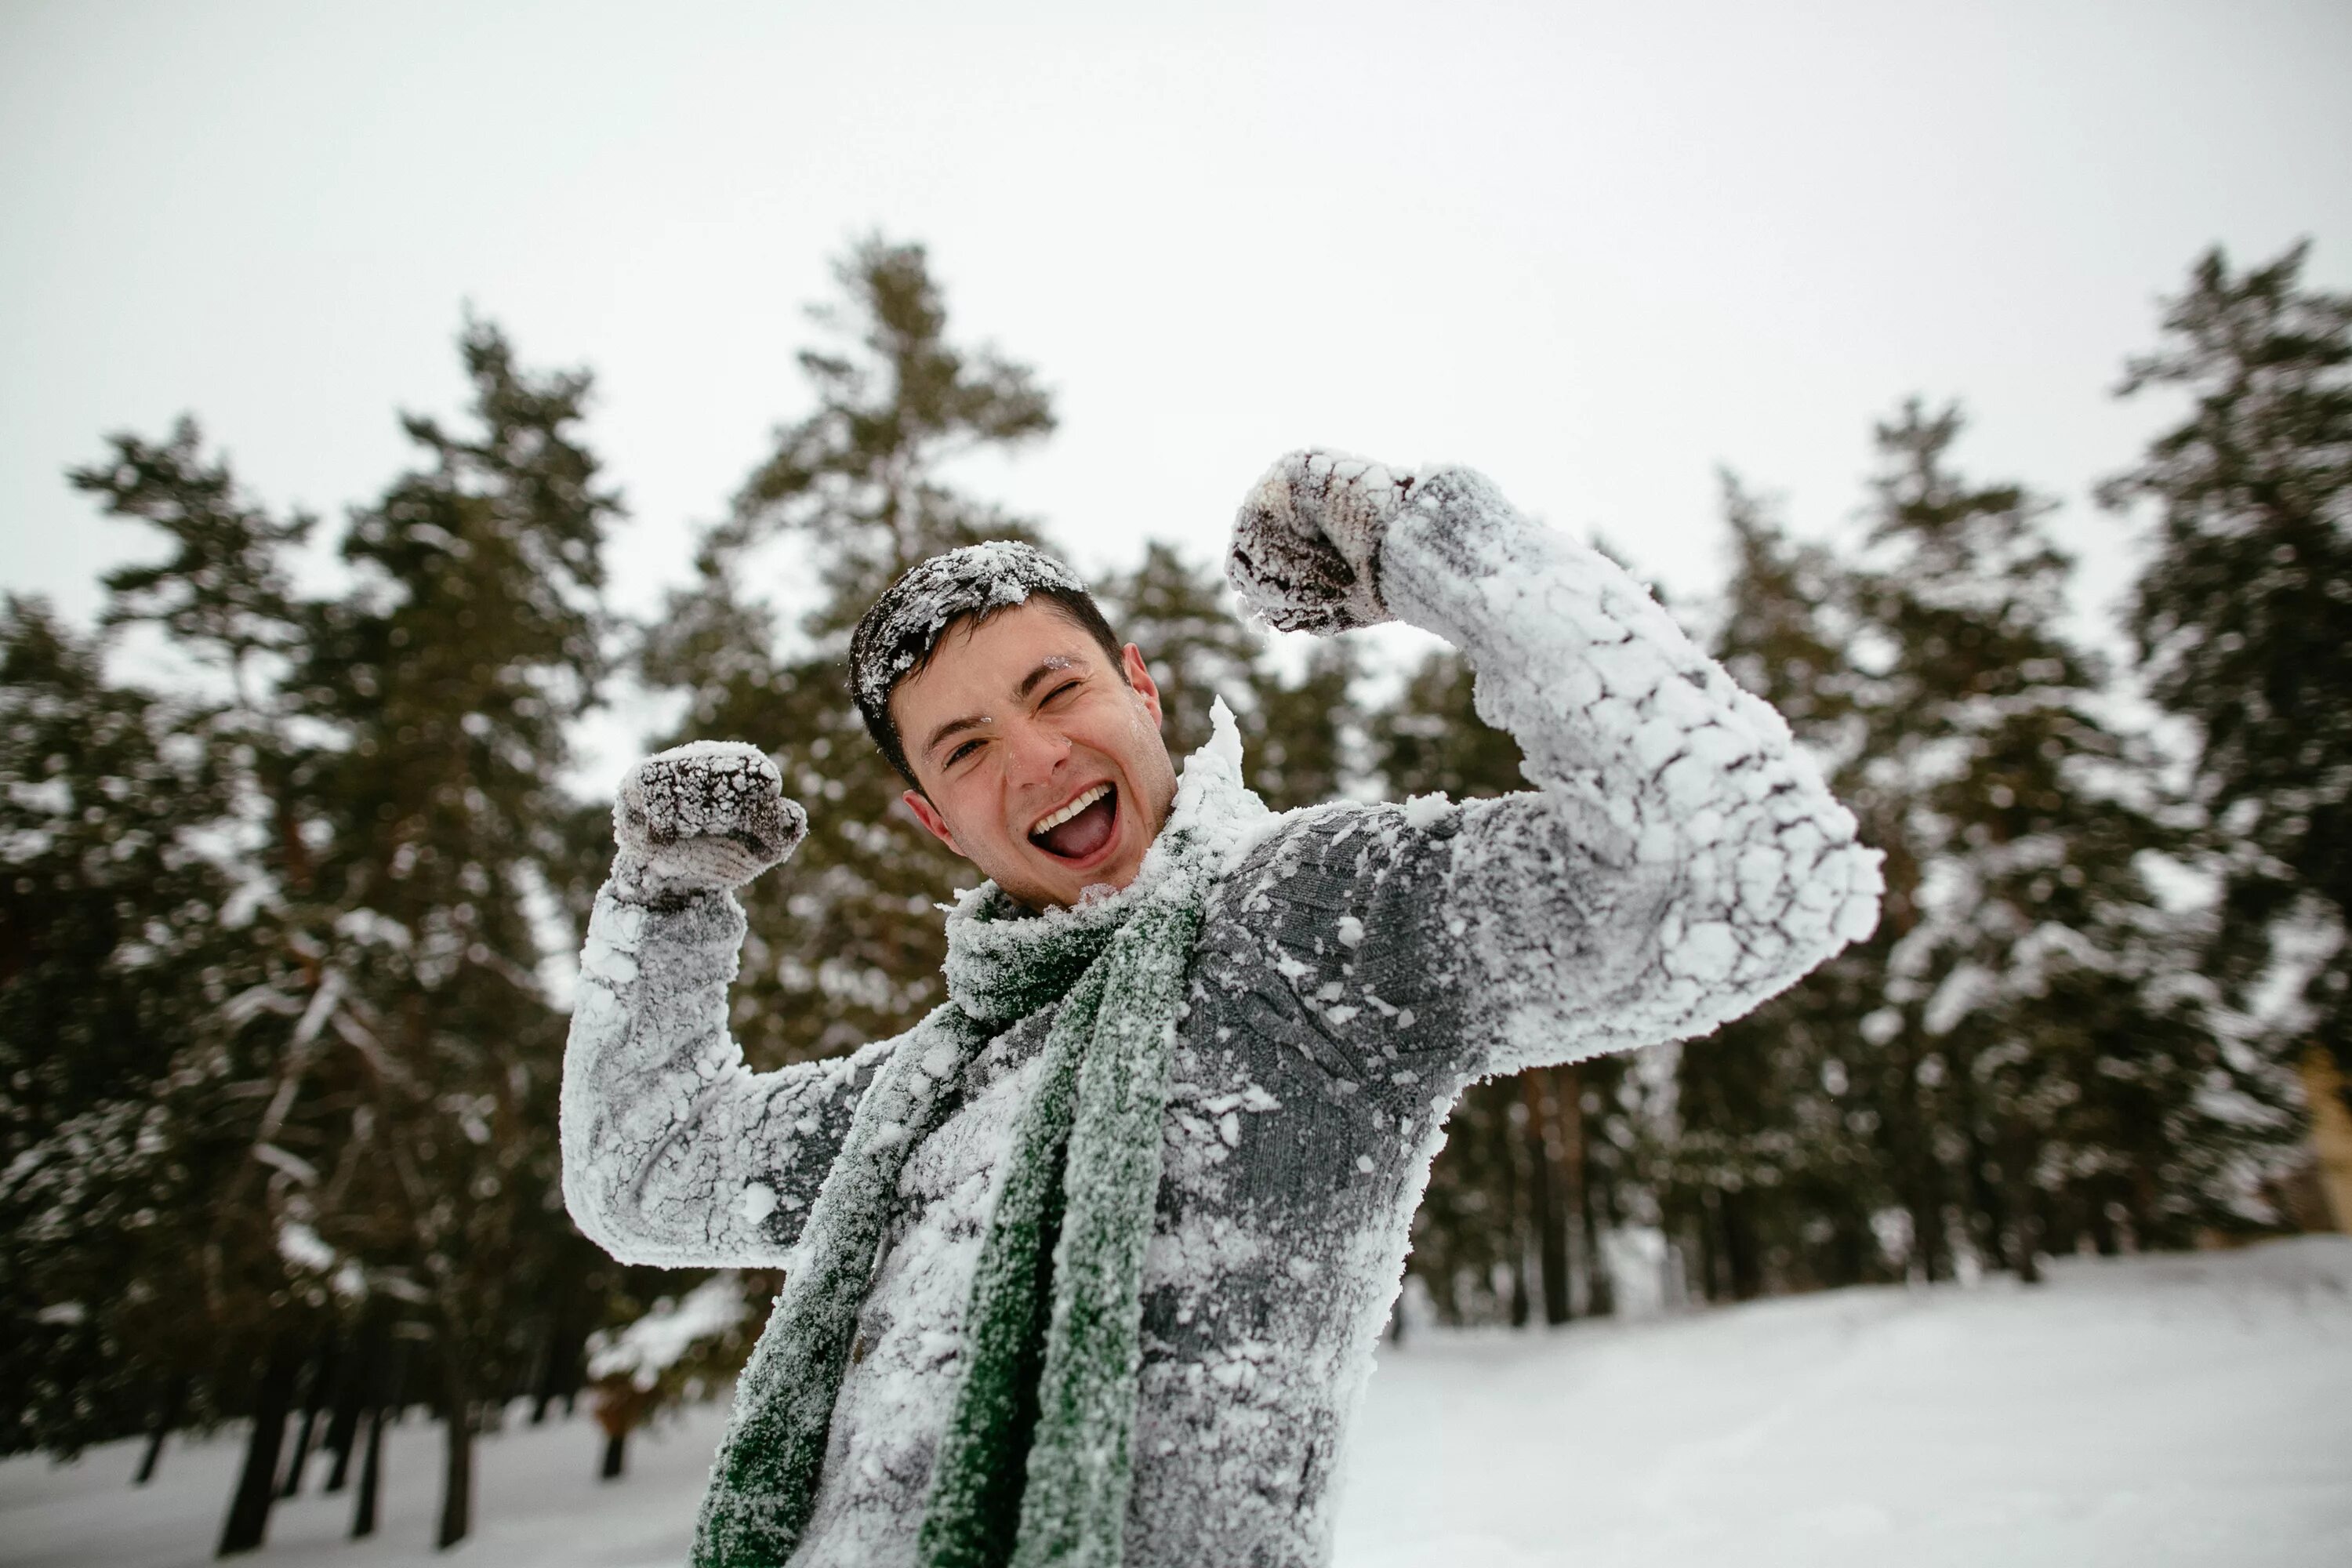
(1359, 966)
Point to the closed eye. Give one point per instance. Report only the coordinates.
(1064, 689)
(960, 752)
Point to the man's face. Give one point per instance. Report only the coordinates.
(1016, 721)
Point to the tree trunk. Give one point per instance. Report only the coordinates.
(357, 1369)
(322, 1375)
(616, 1450)
(1743, 1251)
(380, 1384)
(1710, 1233)
(257, 1486)
(1548, 1210)
(457, 1470)
(1583, 1199)
(371, 1477)
(559, 1374)
(1514, 1230)
(167, 1416)
(543, 1379)
(2103, 1226)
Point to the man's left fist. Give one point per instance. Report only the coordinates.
(1306, 554)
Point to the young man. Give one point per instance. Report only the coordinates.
(1089, 1266)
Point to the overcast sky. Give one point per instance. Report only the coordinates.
(1595, 250)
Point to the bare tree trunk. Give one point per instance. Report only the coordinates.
(1742, 1249)
(322, 1375)
(559, 1370)
(356, 1374)
(1514, 1226)
(371, 1477)
(1547, 1209)
(1568, 1092)
(616, 1455)
(384, 1378)
(256, 1485)
(458, 1470)
(167, 1416)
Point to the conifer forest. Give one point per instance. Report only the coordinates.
(286, 937)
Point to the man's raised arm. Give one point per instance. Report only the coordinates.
(1679, 861)
(674, 1152)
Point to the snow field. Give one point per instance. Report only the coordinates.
(2181, 1410)
(2155, 1412)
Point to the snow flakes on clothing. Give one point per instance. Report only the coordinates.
(1358, 965)
(1665, 776)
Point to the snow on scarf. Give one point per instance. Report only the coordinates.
(1035, 1462)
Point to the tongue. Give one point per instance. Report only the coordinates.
(1083, 834)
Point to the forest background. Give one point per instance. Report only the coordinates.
(300, 811)
(282, 1010)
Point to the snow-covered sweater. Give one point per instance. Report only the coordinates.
(1358, 964)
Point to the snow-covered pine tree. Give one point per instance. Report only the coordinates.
(847, 948)
(195, 1161)
(2242, 617)
(1180, 614)
(2040, 1073)
(448, 678)
(1764, 1167)
(674, 1350)
(114, 959)
(1301, 731)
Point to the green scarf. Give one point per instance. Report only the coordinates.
(1035, 1462)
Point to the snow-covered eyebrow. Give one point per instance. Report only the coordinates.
(1050, 665)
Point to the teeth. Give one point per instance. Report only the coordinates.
(1071, 810)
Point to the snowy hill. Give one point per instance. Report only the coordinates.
(2187, 1410)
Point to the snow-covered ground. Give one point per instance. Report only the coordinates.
(2148, 1412)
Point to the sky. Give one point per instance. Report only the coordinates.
(1596, 251)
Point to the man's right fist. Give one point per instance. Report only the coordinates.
(699, 817)
(1305, 552)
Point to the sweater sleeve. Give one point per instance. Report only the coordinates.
(674, 1152)
(1677, 862)
(1680, 860)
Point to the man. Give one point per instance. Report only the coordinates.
(1089, 1266)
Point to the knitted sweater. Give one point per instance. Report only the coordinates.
(1358, 964)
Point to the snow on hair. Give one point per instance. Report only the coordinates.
(896, 639)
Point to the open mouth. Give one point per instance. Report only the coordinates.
(1080, 830)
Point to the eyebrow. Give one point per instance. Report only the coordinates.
(1050, 665)
(1053, 665)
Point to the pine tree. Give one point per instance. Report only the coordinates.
(846, 948)
(1300, 733)
(449, 676)
(2038, 1075)
(112, 951)
(2242, 617)
(1764, 1167)
(1181, 617)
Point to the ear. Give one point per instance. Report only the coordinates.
(929, 816)
(1139, 676)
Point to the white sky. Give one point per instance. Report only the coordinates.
(1594, 250)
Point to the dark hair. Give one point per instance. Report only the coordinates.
(897, 640)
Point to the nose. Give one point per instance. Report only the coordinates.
(1036, 751)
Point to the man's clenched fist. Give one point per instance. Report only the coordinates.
(699, 817)
(1307, 544)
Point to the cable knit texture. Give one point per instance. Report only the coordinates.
(1355, 966)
